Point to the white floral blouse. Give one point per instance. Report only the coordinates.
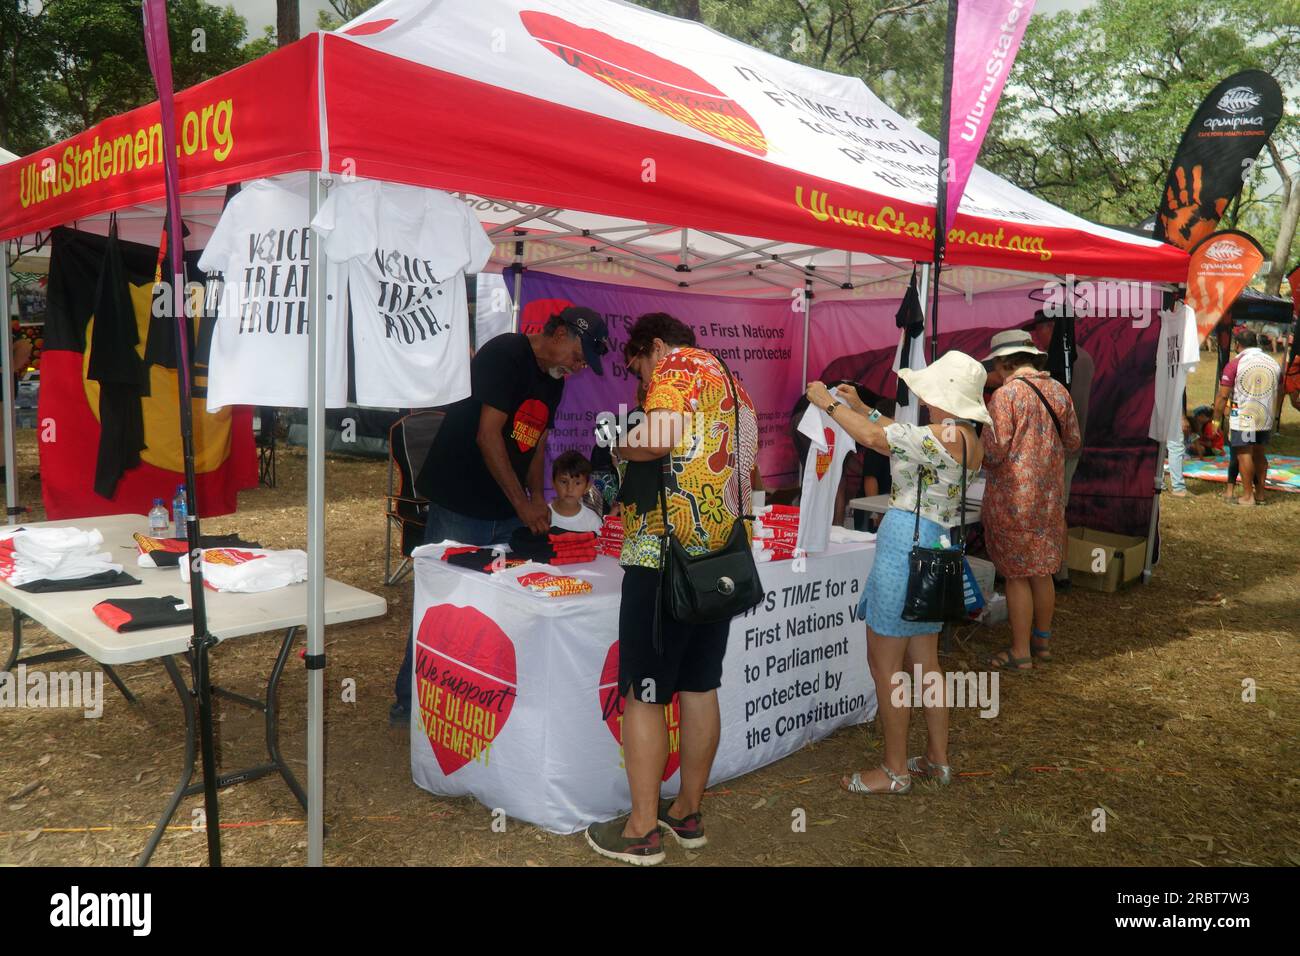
(913, 449)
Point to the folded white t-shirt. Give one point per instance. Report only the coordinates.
(584, 520)
(249, 570)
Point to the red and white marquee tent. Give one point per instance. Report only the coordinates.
(611, 130)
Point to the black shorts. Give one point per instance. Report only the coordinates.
(692, 655)
(1244, 439)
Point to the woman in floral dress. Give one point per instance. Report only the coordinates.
(1024, 502)
(926, 466)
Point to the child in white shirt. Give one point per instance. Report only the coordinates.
(571, 476)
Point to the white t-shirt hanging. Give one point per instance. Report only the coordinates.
(831, 444)
(1177, 354)
(260, 345)
(407, 250)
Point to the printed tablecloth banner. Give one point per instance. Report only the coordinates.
(516, 695)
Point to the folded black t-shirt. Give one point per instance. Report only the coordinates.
(139, 614)
(105, 579)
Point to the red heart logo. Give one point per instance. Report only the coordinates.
(664, 86)
(611, 711)
(465, 681)
(371, 28)
(529, 423)
(824, 458)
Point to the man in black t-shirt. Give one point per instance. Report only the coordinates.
(484, 472)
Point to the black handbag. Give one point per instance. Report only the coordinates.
(936, 576)
(713, 587)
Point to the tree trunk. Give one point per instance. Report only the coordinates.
(287, 27)
(1288, 217)
(689, 10)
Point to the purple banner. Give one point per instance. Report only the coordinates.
(760, 339)
(1112, 488)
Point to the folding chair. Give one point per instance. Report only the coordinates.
(409, 441)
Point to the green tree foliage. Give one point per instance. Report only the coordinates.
(71, 63)
(24, 114)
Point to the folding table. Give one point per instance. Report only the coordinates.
(69, 616)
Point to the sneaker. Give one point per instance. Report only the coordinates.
(689, 830)
(607, 839)
(399, 715)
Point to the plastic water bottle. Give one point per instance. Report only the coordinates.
(158, 519)
(178, 512)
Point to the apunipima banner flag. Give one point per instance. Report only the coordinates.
(1222, 264)
(1215, 155)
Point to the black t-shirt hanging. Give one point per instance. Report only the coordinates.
(116, 365)
(504, 375)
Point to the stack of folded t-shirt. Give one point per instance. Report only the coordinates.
(486, 560)
(139, 614)
(58, 559)
(556, 547)
(166, 552)
(609, 541)
(249, 570)
(776, 531)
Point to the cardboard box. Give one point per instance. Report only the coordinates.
(1120, 558)
(984, 574)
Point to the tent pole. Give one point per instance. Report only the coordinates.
(315, 540)
(519, 281)
(807, 321)
(10, 417)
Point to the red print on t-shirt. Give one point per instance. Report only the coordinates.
(529, 423)
(824, 458)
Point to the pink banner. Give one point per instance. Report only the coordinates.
(987, 38)
(761, 340)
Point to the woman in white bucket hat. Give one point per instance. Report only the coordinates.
(1024, 502)
(929, 458)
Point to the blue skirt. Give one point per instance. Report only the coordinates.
(882, 598)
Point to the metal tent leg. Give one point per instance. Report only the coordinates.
(187, 772)
(275, 763)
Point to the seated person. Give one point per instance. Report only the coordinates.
(571, 477)
(1202, 437)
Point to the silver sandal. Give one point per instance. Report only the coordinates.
(940, 773)
(898, 784)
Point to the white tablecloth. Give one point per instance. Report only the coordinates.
(515, 694)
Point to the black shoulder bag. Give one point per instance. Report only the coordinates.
(935, 576)
(710, 587)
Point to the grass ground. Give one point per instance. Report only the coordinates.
(1141, 715)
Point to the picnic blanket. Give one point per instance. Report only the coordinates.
(1283, 472)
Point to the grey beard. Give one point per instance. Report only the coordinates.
(558, 371)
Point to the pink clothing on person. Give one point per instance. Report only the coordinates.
(1024, 502)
